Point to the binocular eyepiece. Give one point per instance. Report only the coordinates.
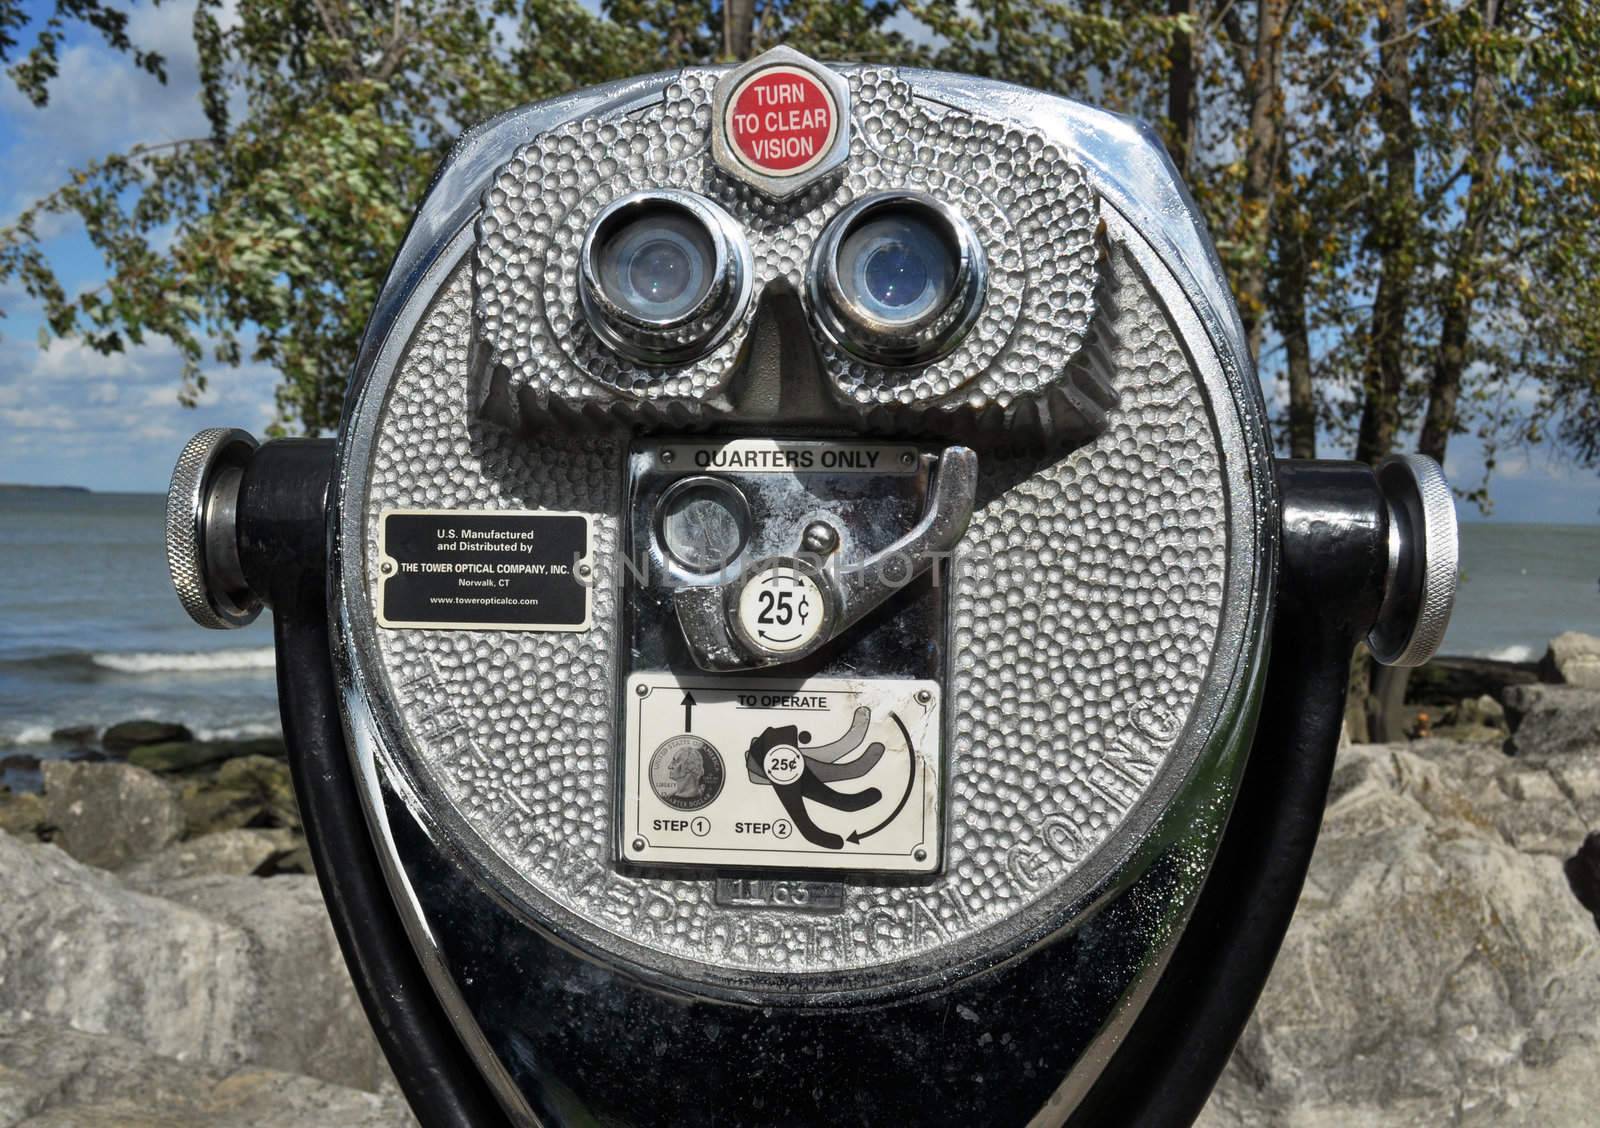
(801, 622)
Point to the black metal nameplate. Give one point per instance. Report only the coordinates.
(464, 570)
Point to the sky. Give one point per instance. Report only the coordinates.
(69, 416)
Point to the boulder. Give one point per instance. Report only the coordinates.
(1553, 720)
(73, 734)
(54, 1077)
(1446, 680)
(1434, 972)
(1572, 659)
(21, 813)
(177, 756)
(187, 756)
(131, 734)
(222, 971)
(110, 814)
(235, 853)
(20, 762)
(1483, 711)
(248, 791)
(305, 1014)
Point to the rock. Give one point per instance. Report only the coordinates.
(186, 756)
(110, 814)
(1434, 973)
(21, 762)
(1572, 659)
(73, 734)
(132, 734)
(1469, 734)
(236, 853)
(297, 860)
(1445, 680)
(177, 757)
(249, 791)
(1553, 720)
(269, 746)
(305, 1012)
(1583, 875)
(243, 970)
(1482, 711)
(21, 813)
(52, 1077)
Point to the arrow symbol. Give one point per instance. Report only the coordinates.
(911, 778)
(688, 712)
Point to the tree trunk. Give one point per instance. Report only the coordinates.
(738, 28)
(1181, 88)
(1450, 360)
(1288, 289)
(1393, 236)
(1261, 166)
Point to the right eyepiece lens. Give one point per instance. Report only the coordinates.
(897, 279)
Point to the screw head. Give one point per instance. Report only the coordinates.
(920, 854)
(820, 538)
(668, 456)
(907, 458)
(642, 690)
(638, 845)
(924, 696)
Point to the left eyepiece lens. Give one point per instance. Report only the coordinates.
(663, 275)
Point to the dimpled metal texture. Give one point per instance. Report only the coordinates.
(1029, 204)
(1084, 608)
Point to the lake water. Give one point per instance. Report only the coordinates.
(91, 633)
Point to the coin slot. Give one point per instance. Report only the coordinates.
(702, 523)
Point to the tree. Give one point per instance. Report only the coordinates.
(1402, 191)
(39, 66)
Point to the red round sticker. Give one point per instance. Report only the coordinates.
(781, 121)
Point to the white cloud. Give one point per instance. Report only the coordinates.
(70, 415)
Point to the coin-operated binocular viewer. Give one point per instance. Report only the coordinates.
(801, 623)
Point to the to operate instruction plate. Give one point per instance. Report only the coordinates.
(826, 773)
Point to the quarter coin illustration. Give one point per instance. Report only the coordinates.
(686, 772)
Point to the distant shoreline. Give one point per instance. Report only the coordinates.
(19, 487)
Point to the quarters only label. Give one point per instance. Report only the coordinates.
(827, 773)
(512, 570)
(787, 456)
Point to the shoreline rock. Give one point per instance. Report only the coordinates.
(1552, 720)
(107, 815)
(1572, 658)
(220, 970)
(52, 1077)
(127, 735)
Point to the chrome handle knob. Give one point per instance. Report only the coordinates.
(202, 542)
(1424, 559)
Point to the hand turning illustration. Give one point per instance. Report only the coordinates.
(796, 771)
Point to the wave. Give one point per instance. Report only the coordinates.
(190, 661)
(1516, 652)
(26, 734)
